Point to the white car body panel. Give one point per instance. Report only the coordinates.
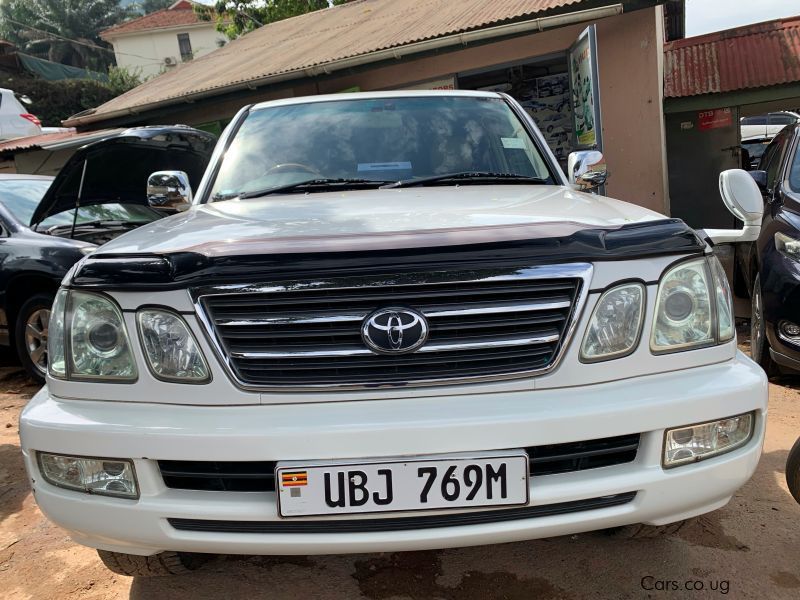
(11, 124)
(297, 222)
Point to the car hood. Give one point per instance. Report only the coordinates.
(115, 169)
(379, 219)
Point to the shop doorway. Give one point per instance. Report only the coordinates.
(542, 88)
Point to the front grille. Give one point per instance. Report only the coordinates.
(402, 523)
(308, 334)
(259, 476)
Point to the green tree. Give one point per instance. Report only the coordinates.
(120, 79)
(237, 18)
(64, 31)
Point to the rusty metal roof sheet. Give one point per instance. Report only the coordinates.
(758, 55)
(319, 38)
(51, 141)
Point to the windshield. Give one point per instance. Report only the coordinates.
(379, 140)
(22, 196)
(101, 213)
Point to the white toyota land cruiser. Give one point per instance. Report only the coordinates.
(388, 322)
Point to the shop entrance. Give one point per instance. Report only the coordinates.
(542, 88)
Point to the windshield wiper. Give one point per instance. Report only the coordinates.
(467, 176)
(96, 223)
(318, 184)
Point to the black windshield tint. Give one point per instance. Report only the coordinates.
(380, 139)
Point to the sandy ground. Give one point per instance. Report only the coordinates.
(750, 549)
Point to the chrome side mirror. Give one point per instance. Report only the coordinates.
(587, 170)
(169, 191)
(743, 199)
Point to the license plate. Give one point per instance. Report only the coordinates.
(419, 483)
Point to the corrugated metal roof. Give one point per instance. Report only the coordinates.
(758, 55)
(315, 39)
(51, 141)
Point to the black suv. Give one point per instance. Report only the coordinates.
(769, 269)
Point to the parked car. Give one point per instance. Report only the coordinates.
(390, 322)
(768, 268)
(15, 119)
(43, 234)
(768, 125)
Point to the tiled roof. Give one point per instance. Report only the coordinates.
(318, 38)
(755, 56)
(179, 14)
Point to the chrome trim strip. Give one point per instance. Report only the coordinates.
(489, 309)
(497, 308)
(288, 319)
(582, 271)
(543, 339)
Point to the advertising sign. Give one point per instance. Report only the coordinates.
(714, 119)
(583, 83)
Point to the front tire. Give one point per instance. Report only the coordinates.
(759, 344)
(793, 471)
(30, 335)
(157, 565)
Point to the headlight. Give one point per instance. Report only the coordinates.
(684, 311)
(724, 299)
(697, 442)
(616, 324)
(787, 245)
(104, 476)
(170, 348)
(88, 330)
(56, 355)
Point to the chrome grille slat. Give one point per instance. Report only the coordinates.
(484, 324)
(495, 308)
(356, 351)
(290, 319)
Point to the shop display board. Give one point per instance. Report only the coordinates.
(584, 92)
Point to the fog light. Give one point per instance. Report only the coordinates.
(789, 331)
(105, 476)
(697, 442)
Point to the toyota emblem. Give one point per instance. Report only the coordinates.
(394, 331)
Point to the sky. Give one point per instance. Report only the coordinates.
(705, 16)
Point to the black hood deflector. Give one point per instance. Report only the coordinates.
(117, 167)
(189, 269)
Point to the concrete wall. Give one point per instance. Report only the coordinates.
(630, 55)
(146, 50)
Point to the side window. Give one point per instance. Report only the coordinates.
(772, 160)
(185, 46)
(794, 173)
(760, 120)
(781, 119)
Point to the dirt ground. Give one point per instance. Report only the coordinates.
(750, 549)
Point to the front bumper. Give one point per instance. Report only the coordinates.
(440, 424)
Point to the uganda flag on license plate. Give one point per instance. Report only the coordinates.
(294, 478)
